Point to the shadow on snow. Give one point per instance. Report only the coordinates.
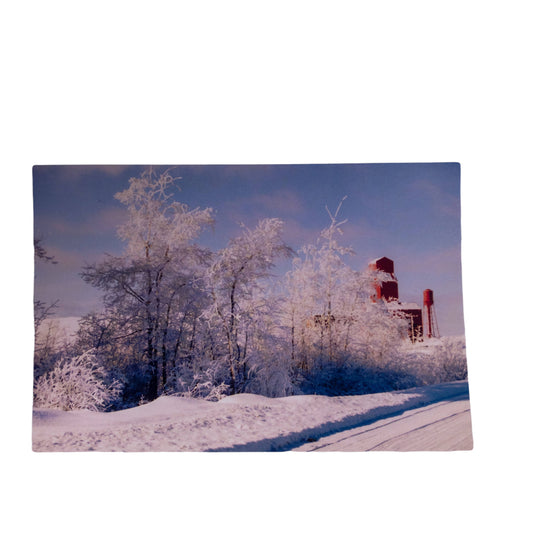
(454, 391)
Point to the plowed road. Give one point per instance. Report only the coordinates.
(442, 426)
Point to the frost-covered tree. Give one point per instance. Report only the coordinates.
(269, 363)
(335, 327)
(76, 383)
(234, 280)
(149, 289)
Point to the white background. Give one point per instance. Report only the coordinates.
(280, 82)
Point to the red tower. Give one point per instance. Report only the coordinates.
(388, 290)
(429, 314)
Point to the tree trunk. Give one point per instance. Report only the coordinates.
(152, 361)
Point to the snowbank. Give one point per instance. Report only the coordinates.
(245, 422)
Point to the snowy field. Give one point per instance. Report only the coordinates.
(244, 422)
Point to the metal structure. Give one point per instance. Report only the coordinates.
(418, 320)
(389, 293)
(430, 317)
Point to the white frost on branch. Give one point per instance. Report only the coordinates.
(76, 383)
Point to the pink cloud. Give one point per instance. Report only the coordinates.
(68, 260)
(445, 203)
(296, 234)
(71, 173)
(280, 203)
(280, 200)
(105, 220)
(442, 262)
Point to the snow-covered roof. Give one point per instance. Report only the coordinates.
(379, 259)
(409, 306)
(403, 306)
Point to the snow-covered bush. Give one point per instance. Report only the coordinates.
(76, 383)
(438, 361)
(349, 375)
(202, 384)
(451, 358)
(270, 372)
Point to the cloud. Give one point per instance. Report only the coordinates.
(297, 234)
(105, 220)
(443, 202)
(62, 282)
(439, 270)
(70, 173)
(354, 232)
(280, 201)
(68, 261)
(442, 262)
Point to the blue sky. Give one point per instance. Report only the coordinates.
(407, 212)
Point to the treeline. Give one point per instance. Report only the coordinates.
(178, 318)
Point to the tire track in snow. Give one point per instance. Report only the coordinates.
(374, 424)
(445, 425)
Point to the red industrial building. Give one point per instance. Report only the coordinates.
(388, 291)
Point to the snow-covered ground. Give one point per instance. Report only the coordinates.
(441, 426)
(244, 422)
